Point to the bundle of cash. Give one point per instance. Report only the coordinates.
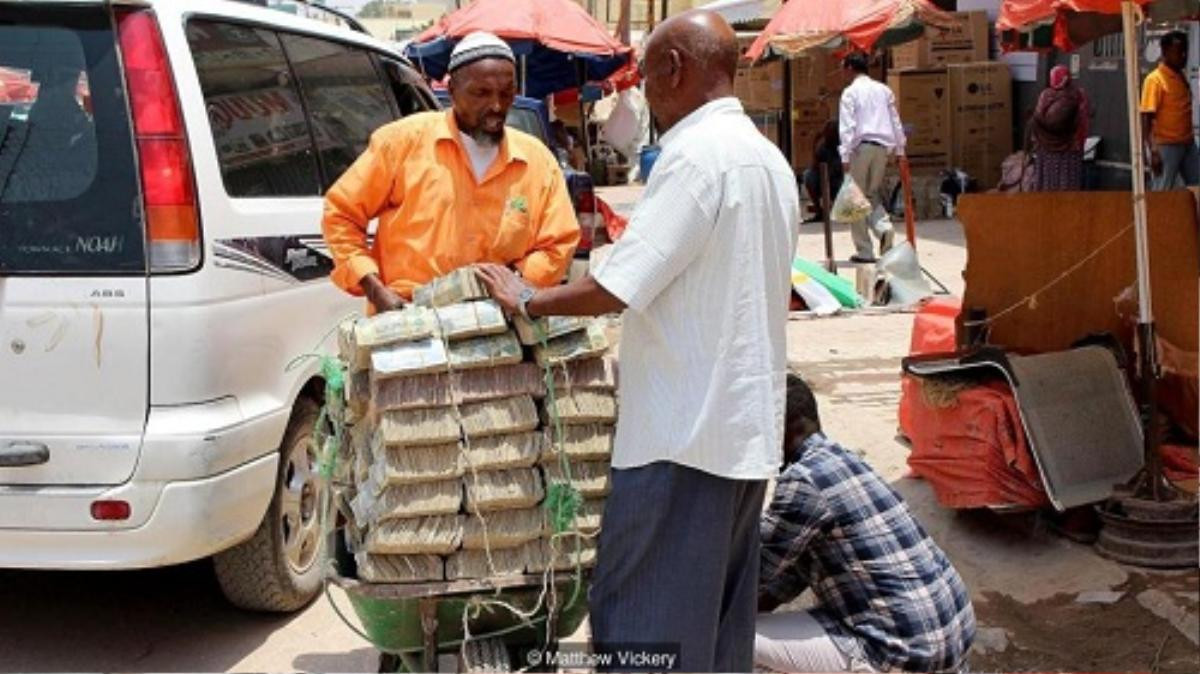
(455, 440)
(460, 285)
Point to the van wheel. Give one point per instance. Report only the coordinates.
(279, 568)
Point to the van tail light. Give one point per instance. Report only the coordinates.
(168, 187)
(589, 220)
(111, 511)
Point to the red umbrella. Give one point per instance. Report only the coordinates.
(803, 24)
(625, 78)
(1074, 22)
(558, 24)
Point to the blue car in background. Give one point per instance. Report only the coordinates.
(531, 116)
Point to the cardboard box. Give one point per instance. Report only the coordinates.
(808, 121)
(923, 101)
(768, 124)
(982, 119)
(760, 87)
(928, 164)
(816, 74)
(969, 41)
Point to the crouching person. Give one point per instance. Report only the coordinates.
(887, 596)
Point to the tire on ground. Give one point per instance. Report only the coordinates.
(255, 575)
(486, 655)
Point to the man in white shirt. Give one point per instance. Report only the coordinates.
(870, 131)
(703, 274)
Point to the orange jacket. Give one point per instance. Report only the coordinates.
(416, 177)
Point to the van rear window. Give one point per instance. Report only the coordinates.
(69, 198)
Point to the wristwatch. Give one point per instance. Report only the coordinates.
(523, 300)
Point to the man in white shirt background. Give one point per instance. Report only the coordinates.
(702, 274)
(870, 132)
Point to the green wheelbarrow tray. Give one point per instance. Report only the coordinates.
(398, 616)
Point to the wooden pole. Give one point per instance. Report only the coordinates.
(623, 21)
(910, 211)
(1147, 347)
(826, 207)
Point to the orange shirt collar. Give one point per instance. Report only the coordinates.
(509, 151)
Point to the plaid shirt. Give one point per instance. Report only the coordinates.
(885, 589)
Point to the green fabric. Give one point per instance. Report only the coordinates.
(842, 289)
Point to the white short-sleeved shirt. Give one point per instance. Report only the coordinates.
(704, 268)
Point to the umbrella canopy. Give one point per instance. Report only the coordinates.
(804, 24)
(1065, 23)
(556, 38)
(627, 77)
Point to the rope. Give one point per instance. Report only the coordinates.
(1031, 298)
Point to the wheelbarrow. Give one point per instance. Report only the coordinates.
(414, 623)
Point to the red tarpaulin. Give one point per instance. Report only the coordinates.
(803, 24)
(971, 447)
(558, 24)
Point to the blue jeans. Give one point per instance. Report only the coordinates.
(1182, 160)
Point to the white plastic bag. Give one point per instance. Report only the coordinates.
(627, 124)
(851, 205)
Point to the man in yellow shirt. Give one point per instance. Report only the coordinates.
(450, 189)
(1167, 116)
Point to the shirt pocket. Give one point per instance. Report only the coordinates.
(515, 234)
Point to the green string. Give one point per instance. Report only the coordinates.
(563, 500)
(330, 431)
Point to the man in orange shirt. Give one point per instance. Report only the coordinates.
(450, 189)
(1167, 116)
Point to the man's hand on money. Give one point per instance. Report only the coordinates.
(503, 285)
(379, 295)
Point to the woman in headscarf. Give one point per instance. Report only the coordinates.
(1060, 126)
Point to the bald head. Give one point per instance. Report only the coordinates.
(691, 59)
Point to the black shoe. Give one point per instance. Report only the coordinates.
(859, 259)
(817, 216)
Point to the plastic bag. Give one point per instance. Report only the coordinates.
(851, 205)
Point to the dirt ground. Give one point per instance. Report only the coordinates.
(1062, 634)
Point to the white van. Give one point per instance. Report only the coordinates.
(161, 265)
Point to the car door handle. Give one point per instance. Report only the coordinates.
(17, 454)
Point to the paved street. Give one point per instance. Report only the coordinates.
(1025, 580)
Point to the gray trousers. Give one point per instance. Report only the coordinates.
(1179, 161)
(868, 163)
(677, 566)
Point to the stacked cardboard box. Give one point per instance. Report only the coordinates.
(923, 101)
(453, 436)
(817, 83)
(955, 104)
(760, 86)
(966, 42)
(982, 126)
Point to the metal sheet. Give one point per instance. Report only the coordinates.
(1079, 416)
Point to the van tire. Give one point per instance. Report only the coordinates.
(256, 574)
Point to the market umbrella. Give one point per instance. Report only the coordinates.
(557, 42)
(801, 25)
(862, 24)
(627, 77)
(1061, 23)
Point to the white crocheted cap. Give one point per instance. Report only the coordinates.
(477, 46)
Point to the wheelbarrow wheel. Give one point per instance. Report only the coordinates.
(485, 655)
(389, 663)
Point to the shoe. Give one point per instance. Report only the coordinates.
(885, 241)
(819, 217)
(859, 259)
